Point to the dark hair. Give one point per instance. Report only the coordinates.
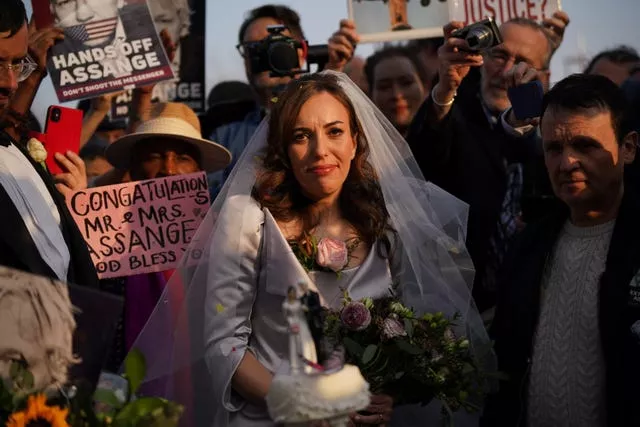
(621, 55)
(432, 44)
(388, 52)
(277, 189)
(12, 17)
(280, 13)
(580, 92)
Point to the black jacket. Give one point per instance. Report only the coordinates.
(17, 249)
(465, 155)
(518, 310)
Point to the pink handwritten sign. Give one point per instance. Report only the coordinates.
(140, 227)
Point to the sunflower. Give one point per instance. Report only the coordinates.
(38, 414)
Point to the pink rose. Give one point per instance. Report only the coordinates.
(392, 328)
(332, 254)
(355, 316)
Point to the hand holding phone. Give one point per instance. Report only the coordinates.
(526, 100)
(63, 129)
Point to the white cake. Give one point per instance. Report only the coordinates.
(297, 399)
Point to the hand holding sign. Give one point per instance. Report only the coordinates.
(40, 41)
(555, 27)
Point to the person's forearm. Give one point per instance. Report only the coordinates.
(90, 124)
(252, 380)
(140, 107)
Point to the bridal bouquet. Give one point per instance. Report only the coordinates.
(23, 406)
(412, 358)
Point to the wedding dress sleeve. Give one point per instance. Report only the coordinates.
(232, 282)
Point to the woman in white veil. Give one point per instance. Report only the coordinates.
(223, 308)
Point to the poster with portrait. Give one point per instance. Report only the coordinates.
(470, 11)
(185, 22)
(389, 20)
(109, 46)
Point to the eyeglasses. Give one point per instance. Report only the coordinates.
(501, 57)
(21, 70)
(243, 47)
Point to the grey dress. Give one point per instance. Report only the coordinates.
(256, 285)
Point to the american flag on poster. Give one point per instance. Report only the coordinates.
(93, 30)
(109, 46)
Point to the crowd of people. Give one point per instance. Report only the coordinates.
(415, 159)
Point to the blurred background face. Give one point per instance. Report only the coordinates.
(96, 166)
(583, 158)
(520, 44)
(162, 157)
(397, 90)
(617, 73)
(70, 13)
(257, 31)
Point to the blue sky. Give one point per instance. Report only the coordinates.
(595, 25)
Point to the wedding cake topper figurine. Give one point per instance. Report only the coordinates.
(312, 393)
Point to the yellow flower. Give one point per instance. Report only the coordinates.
(38, 413)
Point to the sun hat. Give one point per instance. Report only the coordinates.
(175, 121)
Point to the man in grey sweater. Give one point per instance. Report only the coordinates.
(568, 314)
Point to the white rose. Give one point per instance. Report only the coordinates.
(36, 150)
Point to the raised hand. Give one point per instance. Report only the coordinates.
(455, 63)
(40, 41)
(555, 27)
(342, 45)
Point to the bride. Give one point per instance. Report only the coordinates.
(327, 192)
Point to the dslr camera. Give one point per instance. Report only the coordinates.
(480, 36)
(278, 54)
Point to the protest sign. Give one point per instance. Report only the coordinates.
(109, 45)
(140, 227)
(388, 20)
(184, 20)
(470, 11)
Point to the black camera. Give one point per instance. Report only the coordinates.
(55, 115)
(278, 54)
(480, 35)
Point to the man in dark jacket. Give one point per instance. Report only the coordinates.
(567, 324)
(464, 144)
(37, 234)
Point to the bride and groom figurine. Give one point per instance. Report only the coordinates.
(316, 386)
(308, 350)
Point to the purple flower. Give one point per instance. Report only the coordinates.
(392, 328)
(355, 316)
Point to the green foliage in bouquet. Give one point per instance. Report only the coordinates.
(22, 406)
(412, 358)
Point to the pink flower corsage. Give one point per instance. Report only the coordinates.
(332, 254)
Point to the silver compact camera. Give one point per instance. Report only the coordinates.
(480, 35)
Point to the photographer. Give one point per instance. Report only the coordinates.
(253, 33)
(463, 142)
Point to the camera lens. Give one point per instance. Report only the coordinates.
(283, 57)
(480, 38)
(55, 115)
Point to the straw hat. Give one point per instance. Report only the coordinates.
(170, 120)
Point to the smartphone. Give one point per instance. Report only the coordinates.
(526, 100)
(62, 133)
(42, 13)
